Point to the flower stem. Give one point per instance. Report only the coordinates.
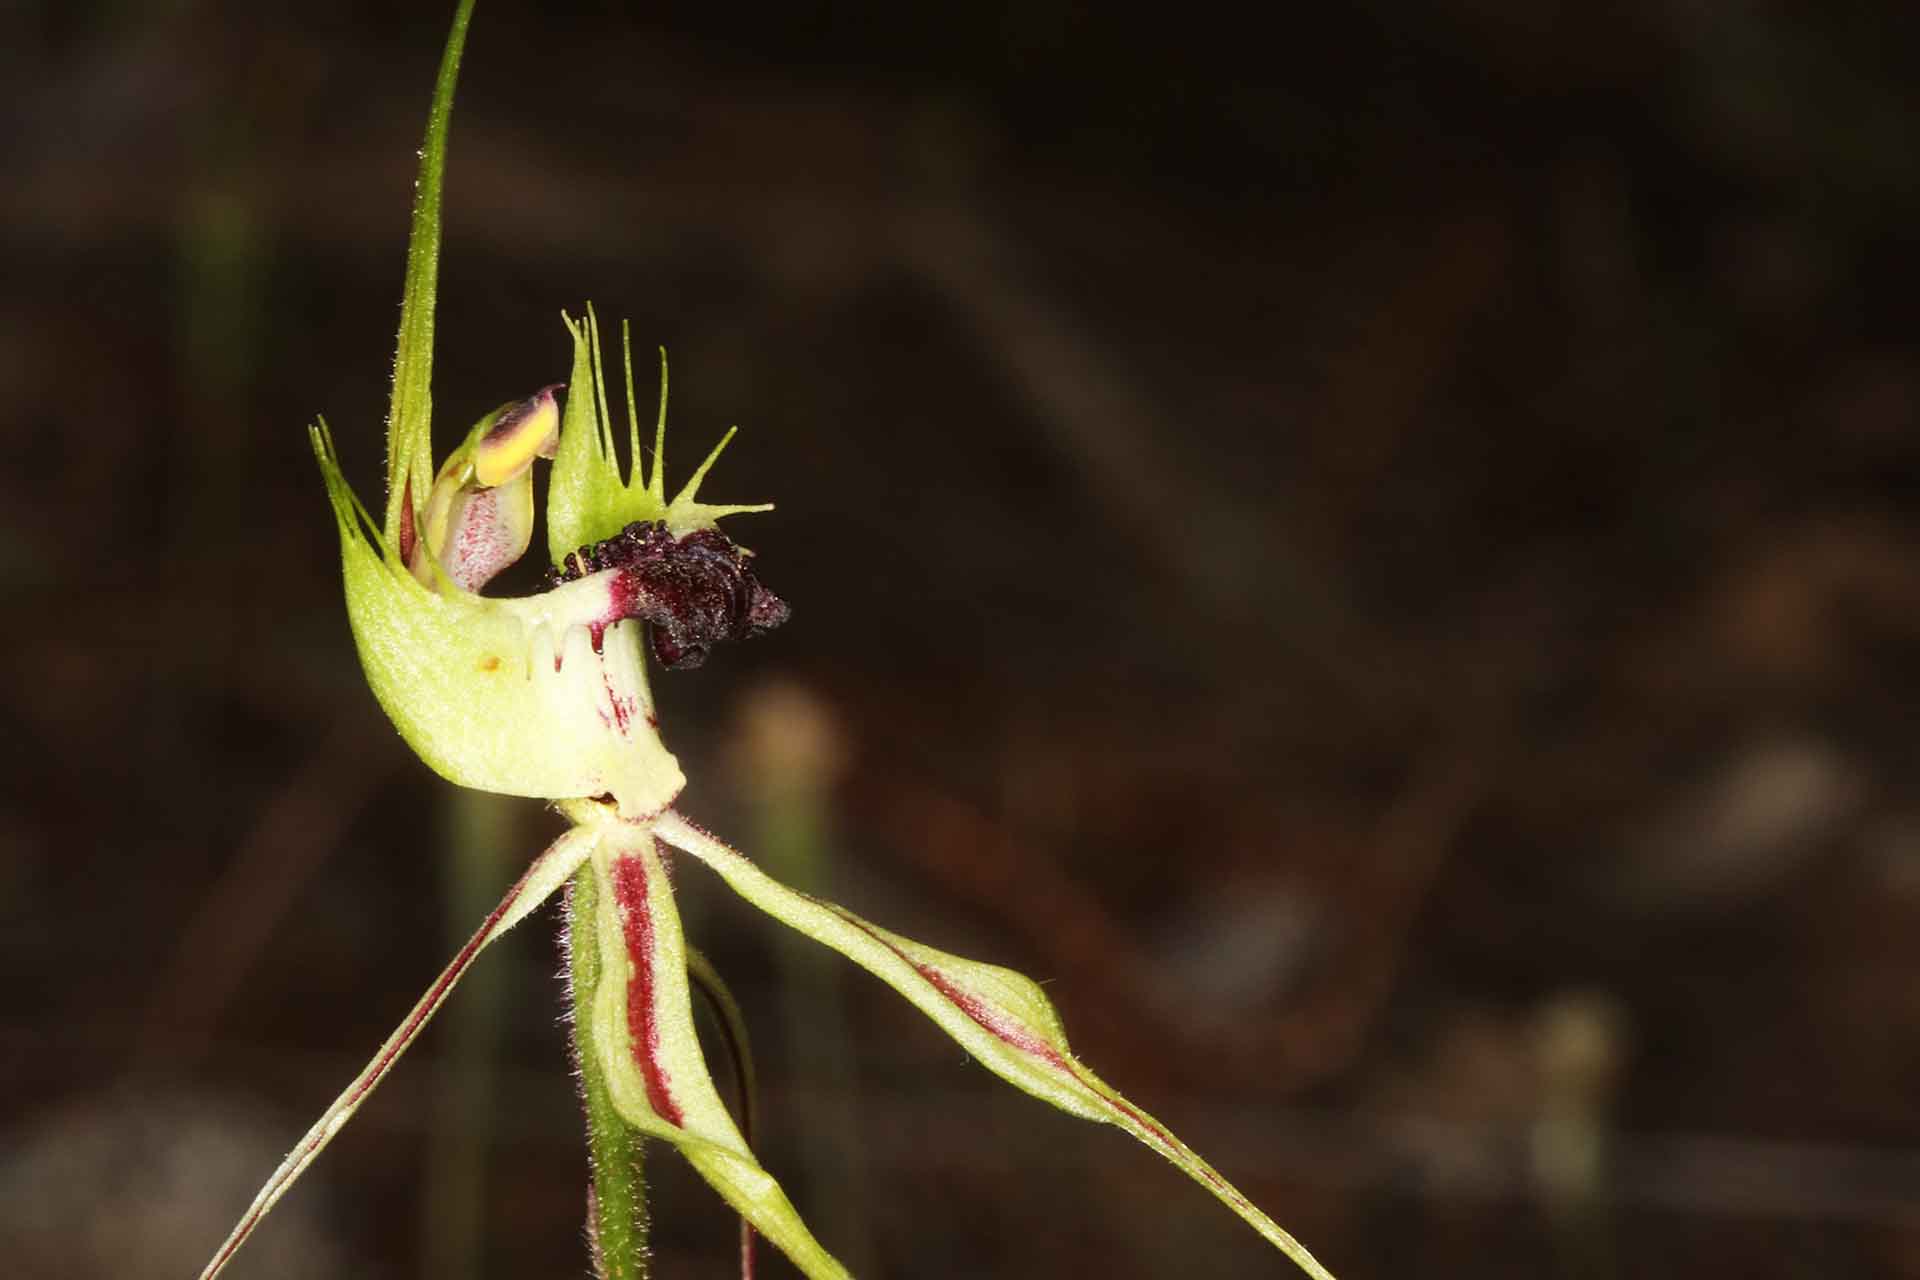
(617, 1200)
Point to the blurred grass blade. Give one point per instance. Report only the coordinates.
(480, 844)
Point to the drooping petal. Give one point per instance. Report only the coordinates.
(476, 532)
(655, 1071)
(999, 1016)
(545, 696)
(479, 516)
(548, 872)
(514, 435)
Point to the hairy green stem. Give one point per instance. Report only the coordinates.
(617, 1202)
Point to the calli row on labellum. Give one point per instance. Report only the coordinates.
(547, 696)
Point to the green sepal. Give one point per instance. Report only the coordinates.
(410, 412)
(1000, 1017)
(656, 1075)
(545, 696)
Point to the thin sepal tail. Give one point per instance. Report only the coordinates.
(1000, 1017)
(548, 872)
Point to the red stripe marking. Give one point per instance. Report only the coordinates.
(1004, 1028)
(1001, 1026)
(997, 1023)
(643, 1025)
(620, 713)
(407, 535)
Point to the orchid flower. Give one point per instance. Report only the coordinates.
(547, 696)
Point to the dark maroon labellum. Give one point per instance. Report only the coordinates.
(692, 592)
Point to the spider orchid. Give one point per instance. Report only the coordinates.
(546, 696)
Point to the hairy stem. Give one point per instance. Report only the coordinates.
(617, 1200)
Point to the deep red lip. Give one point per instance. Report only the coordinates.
(693, 592)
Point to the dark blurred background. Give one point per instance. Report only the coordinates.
(1374, 553)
